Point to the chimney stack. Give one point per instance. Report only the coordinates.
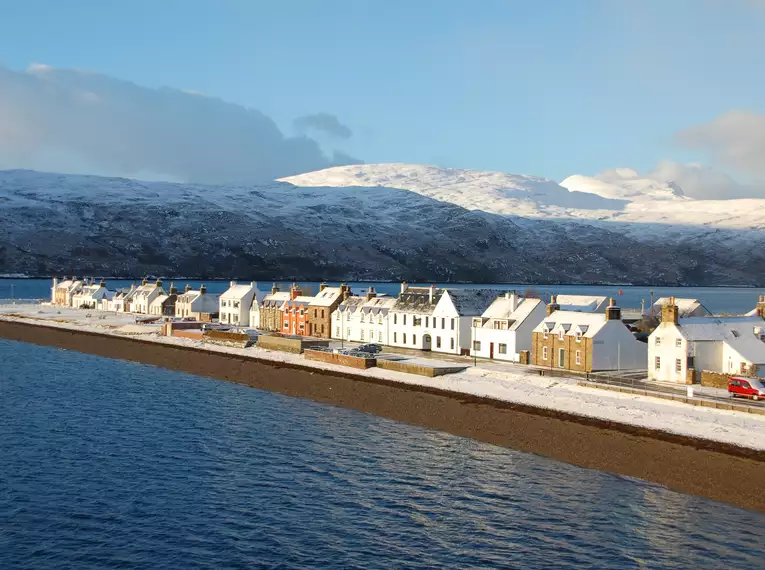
(345, 291)
(371, 293)
(670, 312)
(202, 289)
(173, 290)
(188, 288)
(322, 286)
(232, 283)
(761, 306)
(613, 313)
(159, 283)
(144, 281)
(295, 291)
(431, 293)
(404, 286)
(102, 283)
(274, 289)
(553, 305)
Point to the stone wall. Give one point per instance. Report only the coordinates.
(239, 340)
(342, 359)
(714, 379)
(569, 344)
(286, 344)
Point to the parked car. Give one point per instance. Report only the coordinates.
(371, 348)
(746, 387)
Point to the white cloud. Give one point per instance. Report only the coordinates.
(704, 183)
(735, 139)
(76, 121)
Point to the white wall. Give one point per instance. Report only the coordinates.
(615, 348)
(496, 336)
(669, 353)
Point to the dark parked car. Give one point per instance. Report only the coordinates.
(370, 348)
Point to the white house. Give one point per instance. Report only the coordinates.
(105, 304)
(686, 307)
(236, 304)
(363, 319)
(90, 295)
(680, 349)
(587, 342)
(582, 303)
(504, 329)
(144, 296)
(428, 318)
(122, 299)
(197, 304)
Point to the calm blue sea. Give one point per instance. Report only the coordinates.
(716, 299)
(111, 464)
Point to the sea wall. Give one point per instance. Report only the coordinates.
(710, 469)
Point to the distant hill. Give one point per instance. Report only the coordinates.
(380, 222)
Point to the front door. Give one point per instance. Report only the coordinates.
(561, 358)
(491, 350)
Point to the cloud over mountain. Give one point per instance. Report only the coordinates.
(76, 121)
(323, 123)
(735, 139)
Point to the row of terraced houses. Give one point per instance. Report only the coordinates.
(571, 332)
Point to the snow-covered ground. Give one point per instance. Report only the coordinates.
(511, 384)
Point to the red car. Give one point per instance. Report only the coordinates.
(746, 387)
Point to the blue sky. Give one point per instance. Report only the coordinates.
(550, 88)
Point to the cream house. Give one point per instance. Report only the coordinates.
(686, 307)
(197, 304)
(680, 349)
(63, 291)
(144, 296)
(504, 329)
(236, 304)
(90, 295)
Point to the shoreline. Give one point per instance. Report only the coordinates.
(690, 465)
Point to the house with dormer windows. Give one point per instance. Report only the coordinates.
(363, 319)
(586, 342)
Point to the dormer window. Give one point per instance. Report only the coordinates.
(561, 333)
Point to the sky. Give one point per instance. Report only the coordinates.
(238, 90)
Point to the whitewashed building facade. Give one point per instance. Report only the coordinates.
(236, 304)
(197, 304)
(144, 296)
(363, 319)
(504, 329)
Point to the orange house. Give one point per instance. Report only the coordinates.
(295, 313)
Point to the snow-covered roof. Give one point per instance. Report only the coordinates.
(417, 300)
(238, 292)
(327, 297)
(160, 299)
(748, 346)
(351, 304)
(573, 322)
(684, 306)
(299, 300)
(585, 303)
(717, 328)
(379, 304)
(514, 309)
(472, 302)
(276, 299)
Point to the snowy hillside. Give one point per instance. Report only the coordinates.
(647, 209)
(378, 222)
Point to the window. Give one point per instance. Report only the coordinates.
(476, 345)
(337, 331)
(657, 363)
(544, 334)
(286, 324)
(500, 325)
(379, 320)
(322, 329)
(578, 357)
(322, 313)
(349, 334)
(404, 319)
(544, 353)
(302, 326)
(451, 344)
(394, 337)
(678, 365)
(404, 336)
(452, 324)
(657, 342)
(678, 342)
(416, 321)
(379, 336)
(438, 342)
(315, 312)
(502, 348)
(362, 334)
(395, 319)
(426, 321)
(414, 339)
(560, 334)
(743, 368)
(443, 323)
(578, 338)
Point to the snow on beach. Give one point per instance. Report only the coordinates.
(510, 385)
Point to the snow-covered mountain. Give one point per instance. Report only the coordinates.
(385, 222)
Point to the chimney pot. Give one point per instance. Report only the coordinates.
(232, 283)
(202, 289)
